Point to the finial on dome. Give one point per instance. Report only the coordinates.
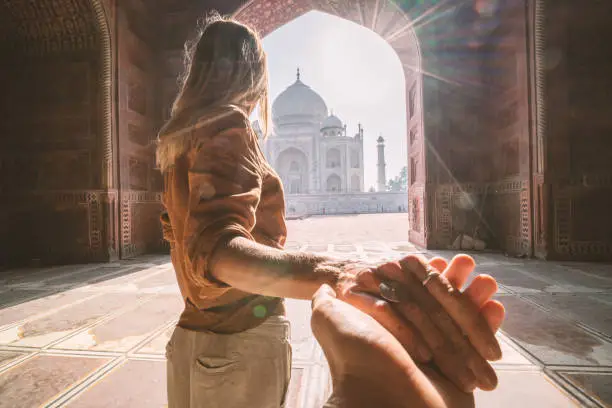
(298, 73)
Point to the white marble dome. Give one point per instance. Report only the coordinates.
(332, 122)
(299, 100)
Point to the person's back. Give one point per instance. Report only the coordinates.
(223, 159)
(218, 186)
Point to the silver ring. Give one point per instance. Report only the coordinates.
(430, 276)
(388, 291)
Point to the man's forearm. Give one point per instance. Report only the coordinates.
(256, 268)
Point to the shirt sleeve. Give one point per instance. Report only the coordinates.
(224, 191)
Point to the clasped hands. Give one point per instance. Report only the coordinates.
(407, 328)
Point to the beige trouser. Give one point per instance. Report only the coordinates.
(250, 369)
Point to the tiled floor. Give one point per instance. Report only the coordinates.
(95, 335)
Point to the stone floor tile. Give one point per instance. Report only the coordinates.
(546, 336)
(45, 330)
(510, 355)
(166, 278)
(552, 340)
(7, 357)
(133, 274)
(127, 330)
(37, 275)
(317, 248)
(598, 385)
(574, 279)
(15, 296)
(403, 246)
(603, 297)
(524, 389)
(345, 248)
(88, 277)
(133, 384)
(579, 307)
(40, 379)
(602, 270)
(515, 280)
(158, 344)
(34, 307)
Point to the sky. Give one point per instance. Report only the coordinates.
(357, 73)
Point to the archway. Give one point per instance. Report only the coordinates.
(333, 184)
(458, 75)
(394, 25)
(56, 155)
(292, 167)
(466, 96)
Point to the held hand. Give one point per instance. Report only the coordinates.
(431, 323)
(369, 367)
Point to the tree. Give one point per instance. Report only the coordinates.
(400, 182)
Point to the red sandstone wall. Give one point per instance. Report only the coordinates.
(138, 122)
(51, 192)
(574, 167)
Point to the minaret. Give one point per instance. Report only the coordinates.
(382, 174)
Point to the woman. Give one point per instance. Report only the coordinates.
(226, 228)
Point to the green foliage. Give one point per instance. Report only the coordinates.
(400, 182)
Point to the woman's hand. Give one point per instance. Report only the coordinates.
(434, 321)
(369, 367)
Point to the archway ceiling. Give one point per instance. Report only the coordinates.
(36, 26)
(381, 16)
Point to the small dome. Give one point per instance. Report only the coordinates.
(380, 139)
(331, 122)
(299, 100)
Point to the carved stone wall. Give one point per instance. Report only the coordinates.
(508, 211)
(573, 176)
(52, 136)
(138, 122)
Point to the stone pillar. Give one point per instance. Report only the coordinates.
(382, 176)
(347, 167)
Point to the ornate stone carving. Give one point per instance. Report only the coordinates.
(140, 227)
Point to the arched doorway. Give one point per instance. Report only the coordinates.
(395, 26)
(333, 184)
(56, 149)
(467, 91)
(292, 167)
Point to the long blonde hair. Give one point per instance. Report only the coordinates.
(226, 71)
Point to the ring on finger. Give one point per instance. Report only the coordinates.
(432, 274)
(388, 291)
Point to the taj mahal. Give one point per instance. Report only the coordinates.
(320, 163)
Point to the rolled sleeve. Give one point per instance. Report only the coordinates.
(224, 191)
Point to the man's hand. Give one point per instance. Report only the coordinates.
(369, 367)
(435, 321)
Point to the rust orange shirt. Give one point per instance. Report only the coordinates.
(222, 187)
